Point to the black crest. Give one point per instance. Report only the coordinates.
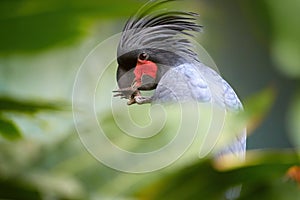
(168, 30)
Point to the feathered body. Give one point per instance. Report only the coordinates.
(155, 53)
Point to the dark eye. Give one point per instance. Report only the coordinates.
(143, 56)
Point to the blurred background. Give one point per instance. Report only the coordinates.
(254, 43)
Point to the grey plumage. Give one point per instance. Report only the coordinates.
(166, 33)
(198, 82)
(165, 36)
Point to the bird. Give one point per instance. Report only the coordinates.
(155, 52)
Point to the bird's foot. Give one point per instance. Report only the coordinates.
(133, 95)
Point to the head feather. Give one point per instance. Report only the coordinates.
(161, 29)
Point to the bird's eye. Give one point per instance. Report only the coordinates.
(143, 56)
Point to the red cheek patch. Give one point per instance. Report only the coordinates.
(144, 67)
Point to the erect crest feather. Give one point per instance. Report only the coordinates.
(161, 29)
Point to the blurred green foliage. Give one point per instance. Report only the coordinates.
(32, 25)
(9, 130)
(41, 46)
(262, 178)
(258, 106)
(285, 38)
(294, 119)
(8, 105)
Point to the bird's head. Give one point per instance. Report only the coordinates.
(151, 43)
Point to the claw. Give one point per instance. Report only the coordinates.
(118, 95)
(131, 101)
(127, 93)
(132, 94)
(142, 99)
(128, 89)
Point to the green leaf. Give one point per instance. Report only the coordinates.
(257, 107)
(9, 130)
(28, 26)
(293, 120)
(13, 105)
(264, 172)
(15, 189)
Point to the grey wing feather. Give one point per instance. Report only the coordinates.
(182, 83)
(198, 82)
(224, 95)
